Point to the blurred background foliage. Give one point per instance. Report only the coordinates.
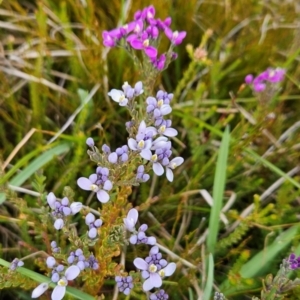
(52, 59)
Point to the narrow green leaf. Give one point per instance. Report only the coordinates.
(253, 266)
(38, 163)
(41, 278)
(210, 278)
(218, 192)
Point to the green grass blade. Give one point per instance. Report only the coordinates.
(38, 163)
(41, 278)
(218, 192)
(210, 278)
(254, 266)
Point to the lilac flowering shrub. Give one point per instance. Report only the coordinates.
(88, 256)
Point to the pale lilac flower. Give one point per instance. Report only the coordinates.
(131, 219)
(160, 158)
(59, 291)
(157, 107)
(166, 129)
(154, 268)
(138, 88)
(15, 264)
(140, 237)
(174, 163)
(143, 140)
(97, 183)
(124, 284)
(118, 96)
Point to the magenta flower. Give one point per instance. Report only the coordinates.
(142, 43)
(175, 37)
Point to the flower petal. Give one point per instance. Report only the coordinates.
(169, 269)
(51, 200)
(132, 144)
(140, 264)
(146, 154)
(59, 224)
(102, 196)
(84, 183)
(107, 185)
(169, 174)
(147, 286)
(158, 169)
(39, 290)
(76, 207)
(115, 95)
(58, 292)
(170, 132)
(72, 272)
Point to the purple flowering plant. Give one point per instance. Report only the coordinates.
(88, 253)
(110, 240)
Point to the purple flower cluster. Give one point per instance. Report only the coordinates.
(137, 237)
(62, 209)
(124, 284)
(60, 276)
(98, 183)
(294, 261)
(143, 34)
(119, 156)
(93, 224)
(269, 76)
(154, 268)
(15, 264)
(77, 258)
(159, 295)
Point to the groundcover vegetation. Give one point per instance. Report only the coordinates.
(153, 160)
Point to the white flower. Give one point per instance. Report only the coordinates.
(131, 219)
(118, 96)
(175, 162)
